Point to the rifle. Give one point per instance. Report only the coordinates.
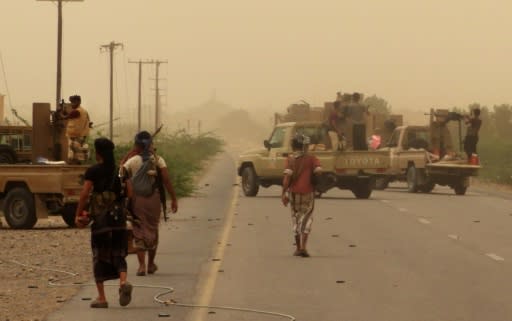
(160, 182)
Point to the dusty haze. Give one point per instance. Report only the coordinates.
(262, 54)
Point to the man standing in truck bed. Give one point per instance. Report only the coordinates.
(358, 113)
(77, 130)
(474, 123)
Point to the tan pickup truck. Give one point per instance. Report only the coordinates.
(411, 161)
(353, 170)
(29, 192)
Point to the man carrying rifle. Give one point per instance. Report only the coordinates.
(149, 180)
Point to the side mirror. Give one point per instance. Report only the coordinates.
(267, 145)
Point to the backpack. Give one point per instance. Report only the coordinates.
(106, 209)
(144, 180)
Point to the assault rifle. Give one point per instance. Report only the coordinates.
(160, 182)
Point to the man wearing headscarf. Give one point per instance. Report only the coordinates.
(102, 190)
(147, 209)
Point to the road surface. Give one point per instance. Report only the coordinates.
(397, 256)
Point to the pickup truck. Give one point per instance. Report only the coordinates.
(411, 161)
(29, 192)
(353, 170)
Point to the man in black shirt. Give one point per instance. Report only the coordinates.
(474, 123)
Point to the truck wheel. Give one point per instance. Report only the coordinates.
(250, 185)
(460, 189)
(68, 213)
(19, 209)
(381, 183)
(362, 190)
(412, 179)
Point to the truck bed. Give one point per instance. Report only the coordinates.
(44, 179)
(352, 162)
(453, 168)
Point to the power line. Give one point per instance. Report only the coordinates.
(59, 46)
(14, 111)
(111, 47)
(139, 101)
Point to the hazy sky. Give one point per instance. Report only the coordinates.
(416, 54)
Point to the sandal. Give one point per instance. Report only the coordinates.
(297, 253)
(304, 253)
(125, 294)
(99, 304)
(152, 269)
(141, 272)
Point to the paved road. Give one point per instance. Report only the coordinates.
(397, 256)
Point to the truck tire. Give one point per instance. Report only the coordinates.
(412, 179)
(68, 213)
(460, 189)
(362, 190)
(381, 183)
(19, 209)
(250, 184)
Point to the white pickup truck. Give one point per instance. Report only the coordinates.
(353, 170)
(411, 161)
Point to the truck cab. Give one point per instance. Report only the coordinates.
(15, 144)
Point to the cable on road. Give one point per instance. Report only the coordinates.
(158, 298)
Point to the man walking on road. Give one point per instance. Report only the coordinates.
(147, 207)
(298, 190)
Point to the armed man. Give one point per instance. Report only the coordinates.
(77, 130)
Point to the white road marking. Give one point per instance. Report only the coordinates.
(495, 257)
(401, 209)
(385, 201)
(423, 221)
(208, 278)
(453, 237)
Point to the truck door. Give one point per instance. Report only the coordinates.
(274, 164)
(395, 150)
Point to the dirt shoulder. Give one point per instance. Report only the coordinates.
(25, 294)
(492, 188)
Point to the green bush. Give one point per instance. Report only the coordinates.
(184, 155)
(496, 160)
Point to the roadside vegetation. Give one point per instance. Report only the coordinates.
(184, 154)
(495, 145)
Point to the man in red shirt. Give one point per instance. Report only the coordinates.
(299, 191)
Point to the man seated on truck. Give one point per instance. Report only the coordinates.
(77, 131)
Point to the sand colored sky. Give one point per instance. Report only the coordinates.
(263, 54)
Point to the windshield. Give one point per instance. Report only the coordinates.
(277, 138)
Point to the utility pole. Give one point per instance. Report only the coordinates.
(157, 94)
(111, 47)
(59, 46)
(139, 104)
